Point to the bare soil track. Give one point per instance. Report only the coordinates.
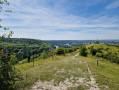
(72, 81)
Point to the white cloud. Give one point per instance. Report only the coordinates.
(113, 5)
(31, 20)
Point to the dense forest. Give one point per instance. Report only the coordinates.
(23, 48)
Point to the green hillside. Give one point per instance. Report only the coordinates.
(71, 72)
(23, 48)
(22, 41)
(108, 52)
(65, 69)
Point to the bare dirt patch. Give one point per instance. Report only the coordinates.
(92, 82)
(72, 81)
(39, 85)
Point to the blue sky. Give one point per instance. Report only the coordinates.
(63, 19)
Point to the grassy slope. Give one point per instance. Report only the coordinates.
(106, 73)
(105, 47)
(58, 70)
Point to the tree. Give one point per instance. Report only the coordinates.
(8, 73)
(83, 51)
(97, 42)
(44, 55)
(2, 2)
(29, 58)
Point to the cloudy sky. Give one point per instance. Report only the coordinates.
(63, 19)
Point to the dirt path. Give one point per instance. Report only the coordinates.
(94, 85)
(73, 57)
(68, 82)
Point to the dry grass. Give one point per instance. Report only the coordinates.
(67, 70)
(61, 69)
(106, 74)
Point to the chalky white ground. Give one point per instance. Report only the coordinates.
(68, 82)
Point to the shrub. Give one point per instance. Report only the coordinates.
(98, 54)
(99, 49)
(113, 57)
(97, 42)
(107, 55)
(106, 49)
(60, 51)
(8, 73)
(69, 50)
(93, 51)
(44, 55)
(83, 51)
(117, 60)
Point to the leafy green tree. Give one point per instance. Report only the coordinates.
(83, 51)
(8, 73)
(13, 60)
(44, 55)
(3, 10)
(97, 42)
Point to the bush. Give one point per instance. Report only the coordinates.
(83, 51)
(23, 61)
(44, 55)
(60, 51)
(92, 51)
(107, 55)
(117, 60)
(99, 49)
(113, 57)
(8, 73)
(106, 49)
(98, 54)
(68, 50)
(97, 42)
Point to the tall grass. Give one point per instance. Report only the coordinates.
(48, 69)
(106, 73)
